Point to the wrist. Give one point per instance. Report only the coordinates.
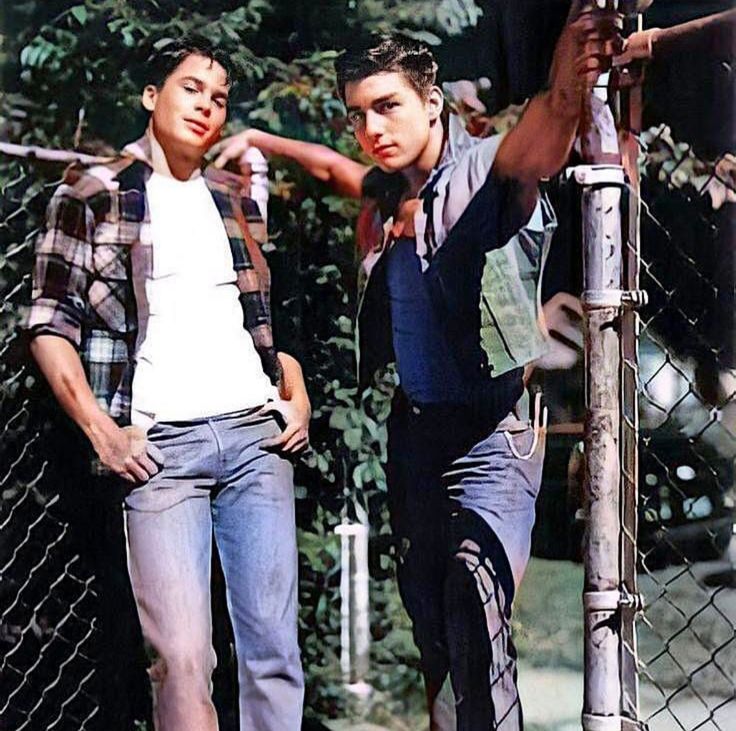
(98, 428)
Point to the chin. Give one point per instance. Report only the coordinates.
(390, 166)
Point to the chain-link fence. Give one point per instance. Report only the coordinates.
(47, 596)
(687, 632)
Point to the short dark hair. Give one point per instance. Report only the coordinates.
(168, 53)
(388, 53)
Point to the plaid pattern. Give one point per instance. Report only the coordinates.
(95, 251)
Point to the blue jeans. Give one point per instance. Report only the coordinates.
(462, 509)
(217, 478)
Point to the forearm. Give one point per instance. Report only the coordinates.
(340, 172)
(540, 143)
(716, 33)
(60, 364)
(292, 386)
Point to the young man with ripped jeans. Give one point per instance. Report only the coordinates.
(450, 295)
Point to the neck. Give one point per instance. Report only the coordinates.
(172, 163)
(419, 171)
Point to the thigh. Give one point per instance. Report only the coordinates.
(493, 481)
(254, 523)
(169, 556)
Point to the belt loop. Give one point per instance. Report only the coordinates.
(539, 425)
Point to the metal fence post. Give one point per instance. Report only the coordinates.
(601, 303)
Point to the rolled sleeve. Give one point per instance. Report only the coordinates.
(62, 269)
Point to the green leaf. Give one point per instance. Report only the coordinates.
(80, 14)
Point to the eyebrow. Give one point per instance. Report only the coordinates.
(223, 91)
(380, 100)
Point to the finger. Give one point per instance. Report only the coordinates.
(144, 461)
(132, 467)
(127, 476)
(296, 442)
(155, 454)
(282, 438)
(233, 151)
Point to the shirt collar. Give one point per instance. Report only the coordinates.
(457, 140)
(142, 150)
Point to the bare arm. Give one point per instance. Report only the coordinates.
(122, 450)
(540, 143)
(715, 34)
(343, 175)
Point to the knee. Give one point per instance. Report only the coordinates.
(478, 562)
(184, 662)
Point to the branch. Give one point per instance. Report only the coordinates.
(33, 152)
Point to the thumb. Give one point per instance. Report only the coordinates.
(270, 407)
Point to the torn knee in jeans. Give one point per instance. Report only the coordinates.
(477, 548)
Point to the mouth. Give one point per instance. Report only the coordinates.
(384, 151)
(198, 128)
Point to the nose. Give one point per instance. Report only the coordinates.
(204, 105)
(373, 125)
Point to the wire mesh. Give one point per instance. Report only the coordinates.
(47, 595)
(687, 444)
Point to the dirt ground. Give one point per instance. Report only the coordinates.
(687, 643)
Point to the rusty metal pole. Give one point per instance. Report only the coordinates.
(603, 181)
(601, 303)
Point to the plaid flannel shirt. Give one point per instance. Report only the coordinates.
(96, 249)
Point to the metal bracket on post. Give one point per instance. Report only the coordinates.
(630, 299)
(590, 175)
(611, 601)
(611, 723)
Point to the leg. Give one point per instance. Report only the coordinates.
(169, 530)
(492, 515)
(478, 595)
(256, 538)
(418, 518)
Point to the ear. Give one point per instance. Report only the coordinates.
(148, 97)
(435, 102)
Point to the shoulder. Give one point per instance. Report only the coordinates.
(85, 182)
(231, 185)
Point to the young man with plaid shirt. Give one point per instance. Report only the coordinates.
(150, 319)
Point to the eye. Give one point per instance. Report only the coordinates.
(220, 102)
(191, 89)
(355, 118)
(384, 107)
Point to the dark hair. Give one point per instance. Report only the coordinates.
(380, 54)
(168, 53)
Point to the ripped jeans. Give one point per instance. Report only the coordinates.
(462, 510)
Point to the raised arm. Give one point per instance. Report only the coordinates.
(343, 175)
(540, 143)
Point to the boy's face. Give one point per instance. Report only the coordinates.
(390, 119)
(189, 109)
